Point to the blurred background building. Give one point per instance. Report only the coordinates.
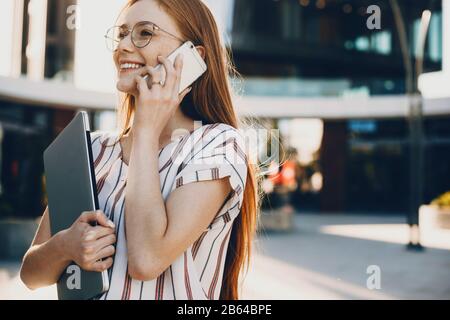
(335, 89)
(312, 69)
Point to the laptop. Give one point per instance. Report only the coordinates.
(72, 189)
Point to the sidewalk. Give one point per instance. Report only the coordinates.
(325, 257)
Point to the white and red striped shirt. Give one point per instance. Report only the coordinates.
(208, 153)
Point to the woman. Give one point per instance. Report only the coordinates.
(185, 229)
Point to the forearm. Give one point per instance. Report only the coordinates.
(146, 217)
(43, 264)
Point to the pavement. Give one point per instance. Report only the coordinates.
(325, 256)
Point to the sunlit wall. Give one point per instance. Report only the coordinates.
(8, 22)
(94, 69)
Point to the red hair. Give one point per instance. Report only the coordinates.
(210, 101)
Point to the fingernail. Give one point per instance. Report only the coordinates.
(111, 224)
(90, 237)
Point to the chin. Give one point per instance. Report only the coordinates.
(125, 85)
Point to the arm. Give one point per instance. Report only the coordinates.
(46, 259)
(158, 233)
(48, 256)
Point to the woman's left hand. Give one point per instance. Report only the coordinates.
(156, 105)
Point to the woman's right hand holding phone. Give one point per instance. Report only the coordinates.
(90, 247)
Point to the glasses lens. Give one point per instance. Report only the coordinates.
(142, 34)
(113, 37)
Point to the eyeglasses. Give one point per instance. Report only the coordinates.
(141, 35)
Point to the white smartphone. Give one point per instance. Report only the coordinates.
(193, 65)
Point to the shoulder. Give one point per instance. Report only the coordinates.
(102, 140)
(218, 151)
(218, 133)
(219, 142)
(218, 129)
(97, 136)
(100, 137)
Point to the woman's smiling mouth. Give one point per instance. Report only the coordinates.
(130, 67)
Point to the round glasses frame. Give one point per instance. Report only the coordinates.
(112, 44)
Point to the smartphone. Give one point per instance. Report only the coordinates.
(193, 65)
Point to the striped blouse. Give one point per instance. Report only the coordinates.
(210, 152)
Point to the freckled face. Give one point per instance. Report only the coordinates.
(130, 60)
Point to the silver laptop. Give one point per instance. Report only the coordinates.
(71, 189)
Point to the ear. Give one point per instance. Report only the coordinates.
(202, 51)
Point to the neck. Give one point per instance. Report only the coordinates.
(179, 124)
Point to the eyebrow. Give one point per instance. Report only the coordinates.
(147, 21)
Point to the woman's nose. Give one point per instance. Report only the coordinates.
(126, 44)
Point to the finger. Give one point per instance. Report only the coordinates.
(105, 252)
(154, 73)
(141, 84)
(102, 265)
(98, 232)
(105, 241)
(184, 93)
(178, 70)
(96, 216)
(103, 220)
(88, 216)
(171, 75)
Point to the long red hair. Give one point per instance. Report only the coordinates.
(210, 101)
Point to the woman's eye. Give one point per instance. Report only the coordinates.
(122, 34)
(146, 33)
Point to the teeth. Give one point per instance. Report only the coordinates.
(130, 66)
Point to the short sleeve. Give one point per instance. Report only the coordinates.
(217, 153)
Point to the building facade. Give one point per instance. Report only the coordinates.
(335, 89)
